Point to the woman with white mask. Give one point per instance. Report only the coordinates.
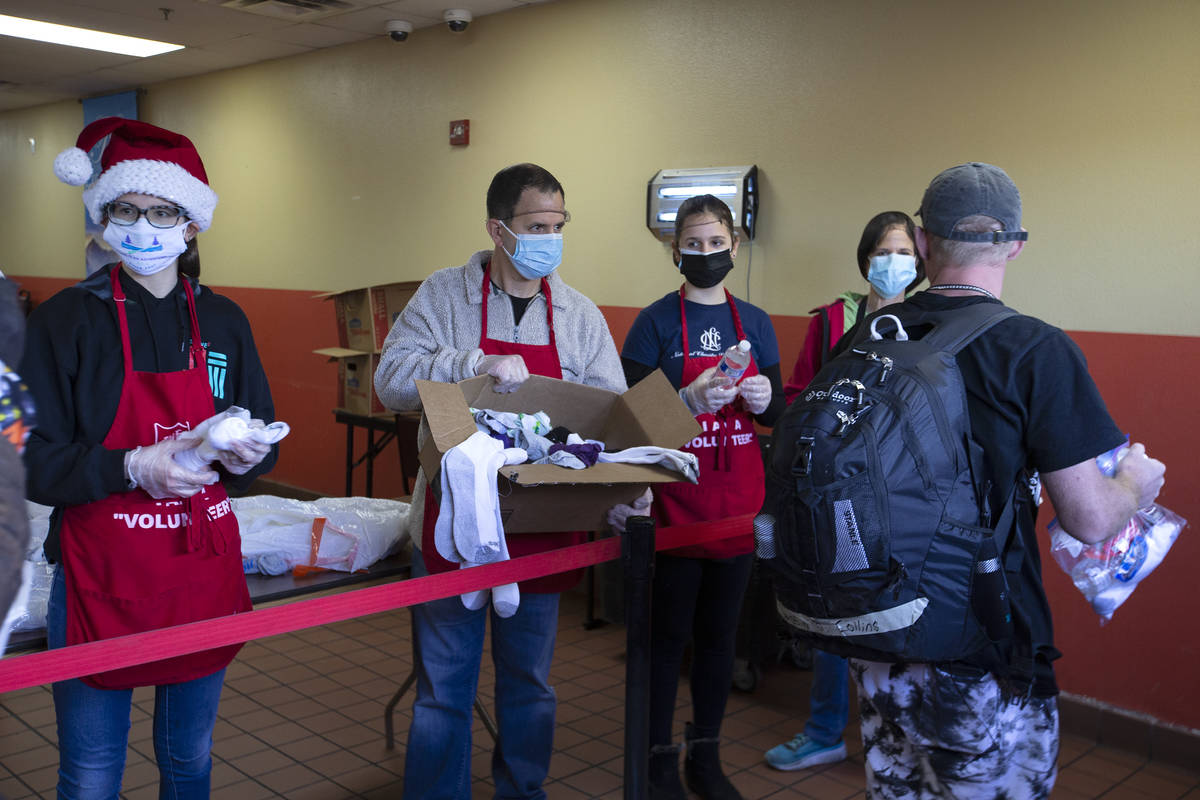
(124, 366)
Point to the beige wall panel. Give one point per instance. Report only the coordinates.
(334, 168)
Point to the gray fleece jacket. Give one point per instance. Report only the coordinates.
(436, 338)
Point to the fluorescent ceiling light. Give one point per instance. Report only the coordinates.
(724, 190)
(82, 37)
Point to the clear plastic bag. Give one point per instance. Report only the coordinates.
(31, 615)
(277, 533)
(1107, 572)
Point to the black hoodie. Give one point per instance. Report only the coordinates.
(73, 365)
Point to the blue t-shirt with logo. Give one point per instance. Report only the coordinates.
(656, 337)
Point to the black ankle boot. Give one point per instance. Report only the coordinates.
(664, 773)
(702, 766)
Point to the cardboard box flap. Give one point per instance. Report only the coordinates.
(450, 423)
(395, 287)
(650, 413)
(581, 409)
(339, 352)
(553, 475)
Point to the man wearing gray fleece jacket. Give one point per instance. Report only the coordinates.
(506, 313)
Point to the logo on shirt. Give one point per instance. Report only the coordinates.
(218, 367)
(165, 432)
(711, 340)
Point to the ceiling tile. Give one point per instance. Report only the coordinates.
(434, 8)
(256, 48)
(179, 64)
(313, 35)
(21, 98)
(372, 20)
(215, 37)
(25, 61)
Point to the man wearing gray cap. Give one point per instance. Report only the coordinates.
(987, 727)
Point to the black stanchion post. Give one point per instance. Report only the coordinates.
(637, 558)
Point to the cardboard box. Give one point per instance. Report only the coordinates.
(356, 381)
(546, 497)
(364, 316)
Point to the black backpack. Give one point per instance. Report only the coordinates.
(883, 542)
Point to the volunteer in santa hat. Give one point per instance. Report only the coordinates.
(122, 366)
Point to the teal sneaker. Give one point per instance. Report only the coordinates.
(802, 752)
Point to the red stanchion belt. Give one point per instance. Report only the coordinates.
(138, 648)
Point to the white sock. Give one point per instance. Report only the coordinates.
(443, 530)
(477, 599)
(475, 533)
(506, 598)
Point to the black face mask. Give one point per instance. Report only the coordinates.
(704, 270)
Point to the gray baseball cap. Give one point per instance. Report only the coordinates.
(970, 189)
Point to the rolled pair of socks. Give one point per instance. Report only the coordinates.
(469, 531)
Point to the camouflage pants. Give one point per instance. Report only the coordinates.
(930, 734)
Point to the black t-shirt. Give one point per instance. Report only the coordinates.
(1033, 406)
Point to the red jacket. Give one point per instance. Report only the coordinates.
(828, 325)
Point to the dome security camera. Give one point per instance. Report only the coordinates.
(457, 19)
(399, 29)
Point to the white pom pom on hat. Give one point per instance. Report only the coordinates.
(73, 166)
(115, 156)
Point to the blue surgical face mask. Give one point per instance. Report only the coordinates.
(537, 254)
(891, 274)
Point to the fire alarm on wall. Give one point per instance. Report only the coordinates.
(460, 131)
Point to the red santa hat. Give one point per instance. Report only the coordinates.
(113, 156)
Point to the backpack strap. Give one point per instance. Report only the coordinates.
(826, 343)
(956, 328)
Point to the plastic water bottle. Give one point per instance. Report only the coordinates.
(265, 564)
(989, 593)
(733, 364)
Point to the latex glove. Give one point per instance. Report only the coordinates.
(756, 391)
(154, 470)
(243, 455)
(509, 371)
(702, 396)
(619, 514)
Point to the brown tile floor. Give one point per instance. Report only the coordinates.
(302, 717)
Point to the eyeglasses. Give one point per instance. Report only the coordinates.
(566, 214)
(158, 216)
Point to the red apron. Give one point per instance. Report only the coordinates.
(731, 467)
(134, 563)
(540, 359)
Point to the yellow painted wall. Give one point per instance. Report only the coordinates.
(334, 168)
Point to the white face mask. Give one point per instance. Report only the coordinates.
(144, 248)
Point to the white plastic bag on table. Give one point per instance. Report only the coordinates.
(277, 532)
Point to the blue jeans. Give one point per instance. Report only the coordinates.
(829, 700)
(447, 651)
(93, 727)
